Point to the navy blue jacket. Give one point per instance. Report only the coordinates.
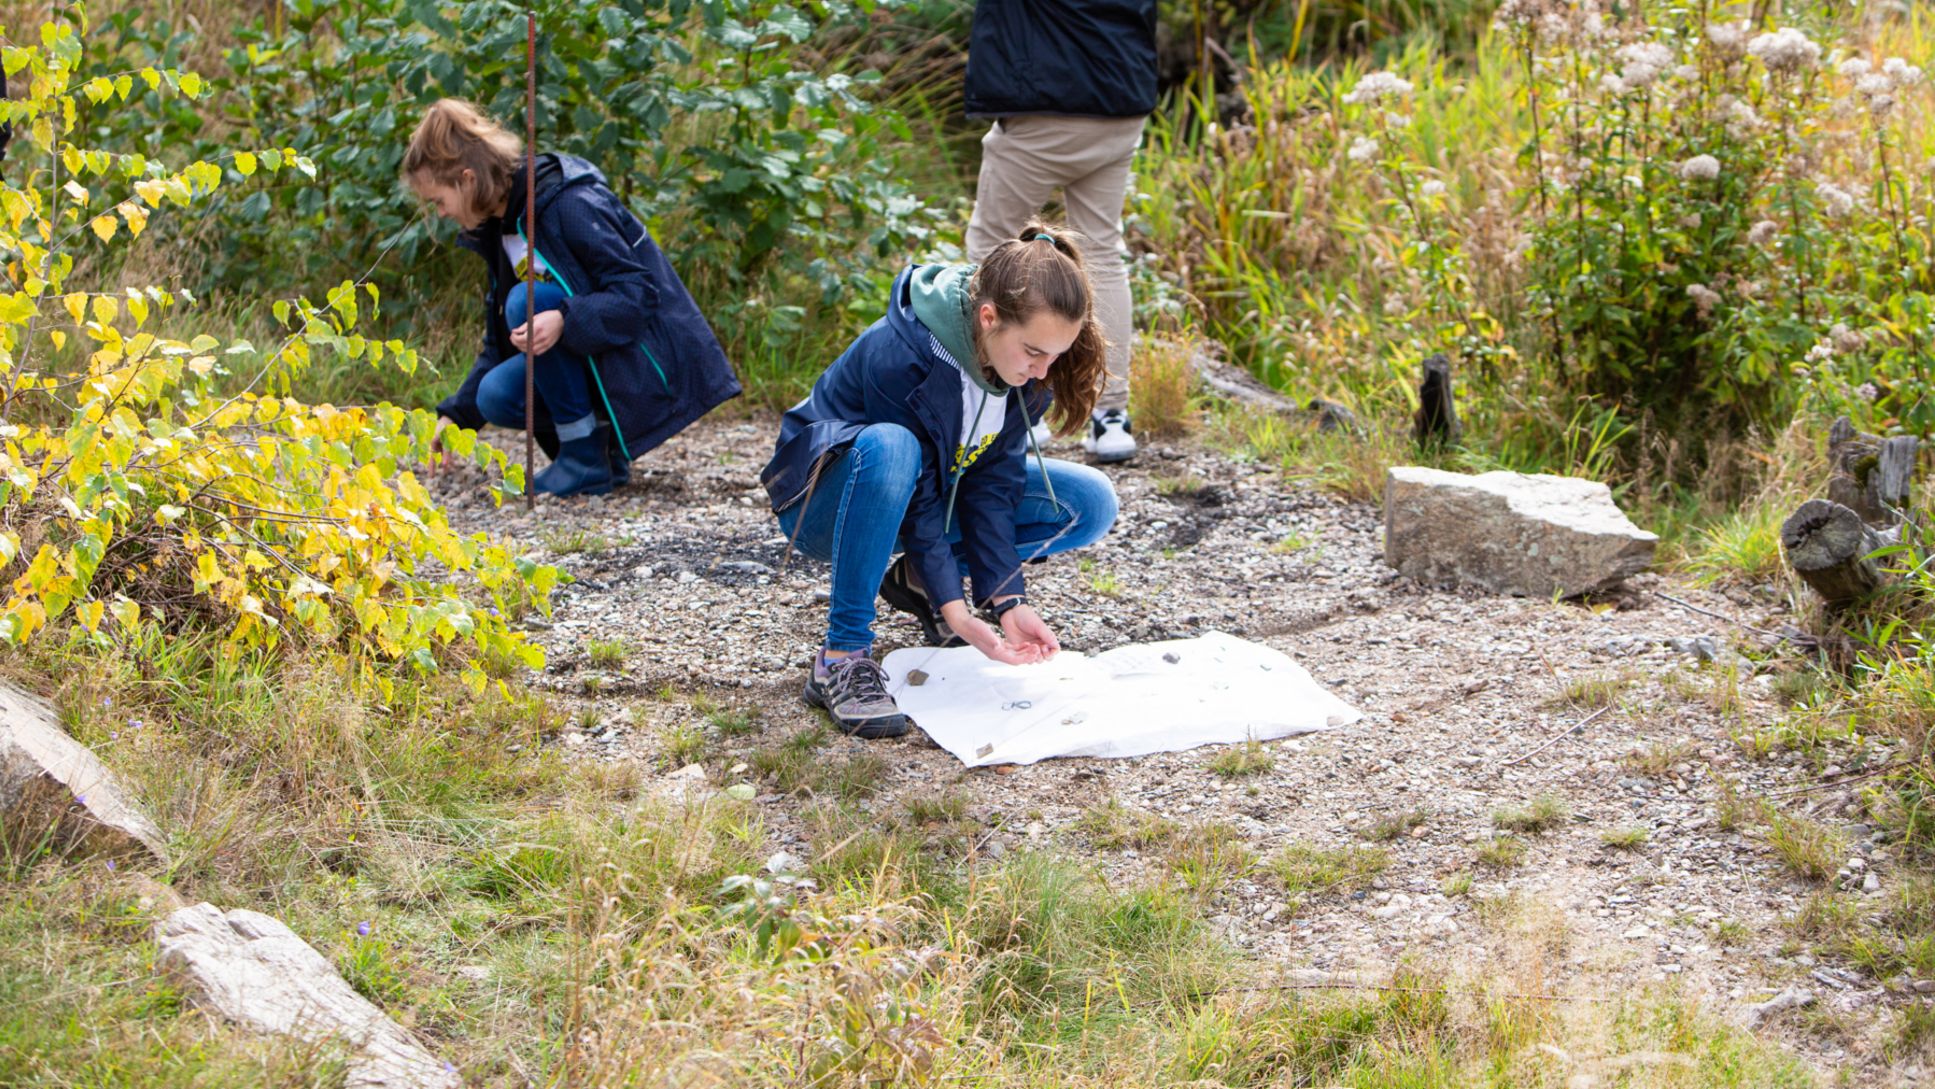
(628, 312)
(1087, 57)
(892, 373)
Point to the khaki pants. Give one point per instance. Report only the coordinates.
(1024, 160)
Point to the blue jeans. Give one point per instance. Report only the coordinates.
(563, 381)
(852, 519)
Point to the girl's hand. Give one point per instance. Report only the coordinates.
(985, 639)
(439, 453)
(549, 326)
(1024, 628)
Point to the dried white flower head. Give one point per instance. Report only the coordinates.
(1704, 299)
(1741, 118)
(1687, 72)
(1362, 149)
(1643, 62)
(1874, 84)
(1518, 14)
(1854, 67)
(1785, 50)
(1846, 339)
(1700, 168)
(1376, 87)
(1822, 352)
(1432, 188)
(1612, 85)
(1868, 391)
(1901, 72)
(1763, 232)
(1839, 201)
(1729, 39)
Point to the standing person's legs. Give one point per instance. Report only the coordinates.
(1094, 203)
(1019, 172)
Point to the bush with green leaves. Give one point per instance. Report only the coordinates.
(154, 476)
(766, 178)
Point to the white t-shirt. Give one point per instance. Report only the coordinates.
(515, 249)
(982, 414)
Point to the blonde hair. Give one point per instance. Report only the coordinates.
(1042, 269)
(454, 136)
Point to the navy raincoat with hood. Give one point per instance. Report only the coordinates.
(656, 362)
(896, 372)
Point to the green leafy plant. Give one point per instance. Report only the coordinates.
(154, 477)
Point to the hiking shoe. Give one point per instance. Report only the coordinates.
(1109, 438)
(901, 589)
(853, 691)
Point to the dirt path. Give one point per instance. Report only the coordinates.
(684, 567)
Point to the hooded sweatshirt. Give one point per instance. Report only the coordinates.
(941, 303)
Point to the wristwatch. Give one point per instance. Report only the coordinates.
(1000, 608)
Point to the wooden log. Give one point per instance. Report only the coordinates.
(1236, 384)
(1870, 475)
(1894, 475)
(1437, 418)
(1239, 385)
(1828, 544)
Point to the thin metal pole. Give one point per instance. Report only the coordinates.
(530, 255)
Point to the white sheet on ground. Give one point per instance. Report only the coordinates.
(1133, 700)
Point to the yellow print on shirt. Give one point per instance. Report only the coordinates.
(963, 457)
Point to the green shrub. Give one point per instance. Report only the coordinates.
(154, 480)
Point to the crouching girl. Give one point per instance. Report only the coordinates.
(624, 359)
(914, 442)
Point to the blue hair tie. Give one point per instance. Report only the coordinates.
(1045, 237)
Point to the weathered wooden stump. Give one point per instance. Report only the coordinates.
(1437, 418)
(1828, 545)
(1870, 475)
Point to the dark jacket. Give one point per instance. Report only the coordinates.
(1087, 57)
(655, 358)
(892, 373)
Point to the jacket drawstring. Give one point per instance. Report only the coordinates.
(1041, 462)
(960, 465)
(947, 523)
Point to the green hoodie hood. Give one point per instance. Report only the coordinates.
(941, 303)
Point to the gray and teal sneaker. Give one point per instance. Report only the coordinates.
(853, 691)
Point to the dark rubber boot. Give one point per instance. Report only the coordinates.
(621, 466)
(581, 469)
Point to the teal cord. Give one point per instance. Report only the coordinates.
(592, 361)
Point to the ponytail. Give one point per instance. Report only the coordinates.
(1042, 269)
(455, 136)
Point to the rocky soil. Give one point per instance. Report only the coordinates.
(1473, 704)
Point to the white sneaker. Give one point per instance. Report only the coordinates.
(1108, 438)
(1040, 434)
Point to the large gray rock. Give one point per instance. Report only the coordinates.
(252, 970)
(50, 783)
(1510, 533)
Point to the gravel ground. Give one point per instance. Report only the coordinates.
(1461, 693)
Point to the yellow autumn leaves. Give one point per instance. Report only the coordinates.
(151, 476)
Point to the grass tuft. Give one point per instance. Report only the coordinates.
(1541, 814)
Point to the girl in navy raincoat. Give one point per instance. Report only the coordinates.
(914, 441)
(624, 359)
